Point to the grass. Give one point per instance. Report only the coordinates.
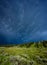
(23, 56)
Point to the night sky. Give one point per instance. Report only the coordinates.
(23, 21)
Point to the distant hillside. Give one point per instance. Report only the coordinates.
(36, 44)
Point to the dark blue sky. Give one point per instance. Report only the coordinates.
(23, 21)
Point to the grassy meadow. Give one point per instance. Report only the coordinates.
(24, 54)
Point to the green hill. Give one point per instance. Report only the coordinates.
(24, 54)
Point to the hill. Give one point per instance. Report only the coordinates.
(24, 54)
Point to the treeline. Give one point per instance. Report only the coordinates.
(35, 44)
(27, 45)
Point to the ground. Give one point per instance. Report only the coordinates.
(23, 56)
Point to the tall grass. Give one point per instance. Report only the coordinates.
(23, 55)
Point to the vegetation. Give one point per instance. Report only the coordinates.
(24, 54)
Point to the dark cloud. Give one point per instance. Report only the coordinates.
(22, 20)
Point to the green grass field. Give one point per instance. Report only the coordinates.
(23, 56)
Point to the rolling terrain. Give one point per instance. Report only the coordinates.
(24, 54)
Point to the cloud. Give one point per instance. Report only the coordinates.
(23, 20)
